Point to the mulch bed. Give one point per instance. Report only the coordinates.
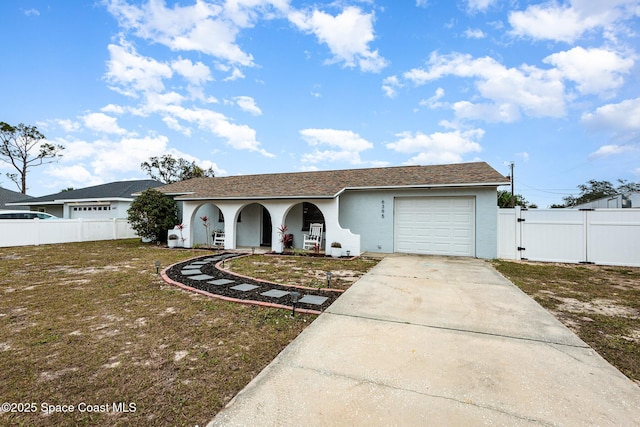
(175, 273)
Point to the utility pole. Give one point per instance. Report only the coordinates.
(513, 194)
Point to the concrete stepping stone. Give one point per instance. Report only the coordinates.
(244, 287)
(220, 282)
(275, 293)
(191, 266)
(313, 299)
(191, 272)
(201, 277)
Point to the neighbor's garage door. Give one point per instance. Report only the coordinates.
(435, 225)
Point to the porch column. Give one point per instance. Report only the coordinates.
(278, 210)
(230, 212)
(188, 211)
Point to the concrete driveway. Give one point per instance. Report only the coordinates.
(435, 341)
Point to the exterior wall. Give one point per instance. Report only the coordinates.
(248, 232)
(370, 214)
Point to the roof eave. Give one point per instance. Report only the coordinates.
(184, 197)
(425, 186)
(187, 199)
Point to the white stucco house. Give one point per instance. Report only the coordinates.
(440, 209)
(109, 200)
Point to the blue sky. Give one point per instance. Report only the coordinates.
(260, 86)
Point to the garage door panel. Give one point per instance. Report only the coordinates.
(435, 225)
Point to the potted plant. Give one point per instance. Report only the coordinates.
(336, 249)
(172, 241)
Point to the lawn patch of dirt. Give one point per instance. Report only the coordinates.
(601, 304)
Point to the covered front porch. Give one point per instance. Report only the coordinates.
(257, 223)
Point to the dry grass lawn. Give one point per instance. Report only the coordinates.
(601, 304)
(92, 324)
(307, 271)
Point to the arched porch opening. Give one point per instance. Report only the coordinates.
(254, 227)
(298, 219)
(201, 232)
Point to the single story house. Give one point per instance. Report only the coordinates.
(616, 201)
(8, 196)
(100, 201)
(440, 209)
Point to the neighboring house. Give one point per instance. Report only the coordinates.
(440, 209)
(101, 201)
(617, 201)
(8, 196)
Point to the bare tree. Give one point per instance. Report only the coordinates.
(18, 147)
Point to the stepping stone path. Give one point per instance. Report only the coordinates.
(203, 274)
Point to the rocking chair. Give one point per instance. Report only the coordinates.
(218, 238)
(309, 241)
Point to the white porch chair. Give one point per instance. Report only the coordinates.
(314, 237)
(218, 238)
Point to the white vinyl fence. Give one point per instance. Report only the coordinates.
(25, 232)
(601, 236)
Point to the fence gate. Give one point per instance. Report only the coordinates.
(607, 236)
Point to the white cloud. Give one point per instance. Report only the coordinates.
(68, 125)
(348, 145)
(438, 147)
(390, 85)
(475, 33)
(239, 137)
(595, 71)
(113, 109)
(608, 150)
(622, 121)
(75, 176)
(347, 35)
(32, 12)
(201, 27)
(126, 154)
(510, 91)
(491, 112)
(196, 74)
(618, 118)
(567, 23)
(248, 104)
(130, 73)
(480, 5)
(100, 122)
(434, 101)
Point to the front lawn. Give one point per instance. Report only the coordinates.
(308, 271)
(91, 326)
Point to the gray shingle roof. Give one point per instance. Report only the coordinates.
(323, 184)
(8, 196)
(112, 190)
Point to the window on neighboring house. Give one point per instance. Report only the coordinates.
(311, 214)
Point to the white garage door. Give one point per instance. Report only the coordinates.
(435, 225)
